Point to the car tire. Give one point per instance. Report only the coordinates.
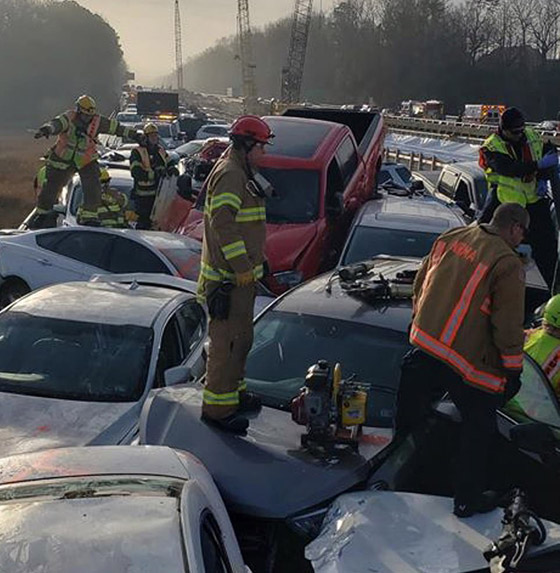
(11, 290)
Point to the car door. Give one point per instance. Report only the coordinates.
(60, 256)
(128, 256)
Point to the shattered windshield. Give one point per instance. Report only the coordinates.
(297, 195)
(73, 360)
(287, 344)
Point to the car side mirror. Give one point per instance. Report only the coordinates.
(417, 185)
(533, 437)
(177, 375)
(59, 209)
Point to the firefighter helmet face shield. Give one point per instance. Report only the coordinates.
(86, 105)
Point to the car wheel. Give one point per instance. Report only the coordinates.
(11, 290)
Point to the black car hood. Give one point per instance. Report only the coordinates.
(266, 473)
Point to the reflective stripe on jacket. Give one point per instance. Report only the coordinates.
(77, 148)
(469, 306)
(146, 172)
(513, 189)
(544, 349)
(234, 225)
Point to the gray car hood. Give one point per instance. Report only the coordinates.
(385, 531)
(31, 423)
(265, 473)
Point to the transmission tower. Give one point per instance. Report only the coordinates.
(178, 48)
(246, 50)
(292, 74)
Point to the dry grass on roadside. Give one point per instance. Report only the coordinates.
(19, 161)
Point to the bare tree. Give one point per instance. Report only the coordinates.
(477, 19)
(545, 25)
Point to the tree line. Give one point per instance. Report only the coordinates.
(51, 52)
(386, 51)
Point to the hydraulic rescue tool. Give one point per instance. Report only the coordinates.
(332, 409)
(522, 529)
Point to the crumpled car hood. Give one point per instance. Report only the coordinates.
(31, 423)
(385, 531)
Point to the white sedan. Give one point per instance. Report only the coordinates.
(38, 258)
(78, 360)
(113, 510)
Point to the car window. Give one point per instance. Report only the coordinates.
(171, 351)
(297, 195)
(383, 177)
(347, 159)
(367, 242)
(213, 551)
(536, 400)
(296, 138)
(404, 174)
(287, 344)
(121, 185)
(191, 319)
(49, 240)
(128, 256)
(72, 360)
(447, 182)
(88, 247)
(335, 186)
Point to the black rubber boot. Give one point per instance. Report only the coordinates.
(234, 423)
(249, 402)
(488, 501)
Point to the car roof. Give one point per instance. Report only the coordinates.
(419, 213)
(87, 461)
(470, 167)
(99, 302)
(313, 298)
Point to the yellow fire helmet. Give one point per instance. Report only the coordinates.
(150, 128)
(86, 104)
(104, 176)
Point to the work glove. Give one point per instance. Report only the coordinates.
(43, 131)
(245, 279)
(513, 385)
(548, 161)
(172, 171)
(542, 188)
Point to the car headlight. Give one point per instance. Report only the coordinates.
(289, 278)
(308, 524)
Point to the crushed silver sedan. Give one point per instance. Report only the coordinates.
(77, 360)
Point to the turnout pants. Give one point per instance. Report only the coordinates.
(58, 178)
(423, 379)
(230, 342)
(541, 235)
(143, 206)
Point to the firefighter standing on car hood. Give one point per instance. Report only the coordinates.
(149, 163)
(543, 344)
(75, 151)
(232, 261)
(467, 330)
(517, 165)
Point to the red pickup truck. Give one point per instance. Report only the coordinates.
(323, 167)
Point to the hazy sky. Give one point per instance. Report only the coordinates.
(146, 27)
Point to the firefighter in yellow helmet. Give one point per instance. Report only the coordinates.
(149, 163)
(543, 344)
(75, 150)
(113, 203)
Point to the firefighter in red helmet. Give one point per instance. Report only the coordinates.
(232, 262)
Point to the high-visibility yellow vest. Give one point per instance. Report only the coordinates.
(513, 189)
(76, 147)
(544, 349)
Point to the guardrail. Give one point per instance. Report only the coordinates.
(415, 161)
(468, 132)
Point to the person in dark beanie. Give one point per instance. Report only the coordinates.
(517, 165)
